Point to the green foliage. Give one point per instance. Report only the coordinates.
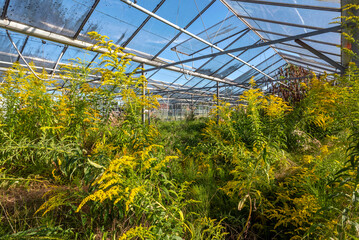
(268, 169)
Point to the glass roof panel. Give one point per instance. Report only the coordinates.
(262, 66)
(2, 3)
(59, 16)
(42, 53)
(330, 37)
(292, 31)
(198, 82)
(303, 52)
(155, 34)
(311, 68)
(165, 75)
(223, 29)
(73, 53)
(180, 12)
(317, 60)
(7, 51)
(321, 46)
(152, 39)
(228, 43)
(285, 14)
(120, 21)
(116, 20)
(213, 65)
(320, 3)
(224, 65)
(252, 56)
(310, 62)
(271, 69)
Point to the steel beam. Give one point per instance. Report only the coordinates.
(320, 55)
(291, 5)
(281, 40)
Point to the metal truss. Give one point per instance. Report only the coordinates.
(189, 33)
(204, 93)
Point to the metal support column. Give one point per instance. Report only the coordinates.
(143, 98)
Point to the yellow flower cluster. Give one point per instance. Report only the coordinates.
(124, 179)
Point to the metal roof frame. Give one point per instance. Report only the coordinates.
(205, 90)
(188, 33)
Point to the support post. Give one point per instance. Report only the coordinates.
(143, 98)
(191, 108)
(217, 103)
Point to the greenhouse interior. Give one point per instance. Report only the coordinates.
(179, 119)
